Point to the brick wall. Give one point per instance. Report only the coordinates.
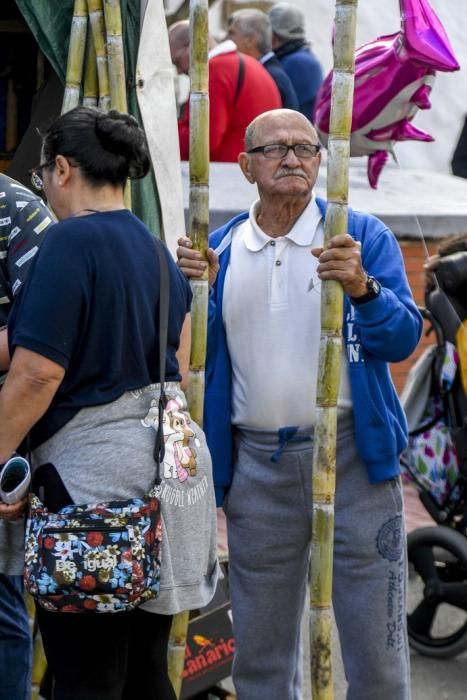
(414, 256)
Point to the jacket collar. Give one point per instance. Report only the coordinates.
(290, 47)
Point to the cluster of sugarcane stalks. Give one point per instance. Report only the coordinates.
(330, 353)
(95, 72)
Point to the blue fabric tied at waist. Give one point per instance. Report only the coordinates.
(285, 436)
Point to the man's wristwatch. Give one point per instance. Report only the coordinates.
(374, 290)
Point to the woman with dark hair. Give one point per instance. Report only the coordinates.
(83, 383)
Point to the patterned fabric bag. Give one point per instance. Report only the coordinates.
(102, 557)
(430, 459)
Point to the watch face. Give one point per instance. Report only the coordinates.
(373, 286)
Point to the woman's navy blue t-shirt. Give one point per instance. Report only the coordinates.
(91, 304)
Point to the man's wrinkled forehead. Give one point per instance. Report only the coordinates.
(283, 128)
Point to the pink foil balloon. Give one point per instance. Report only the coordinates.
(393, 79)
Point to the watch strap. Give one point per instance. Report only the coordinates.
(374, 289)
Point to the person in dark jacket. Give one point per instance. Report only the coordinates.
(297, 59)
(251, 31)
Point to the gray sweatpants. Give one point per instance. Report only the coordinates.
(269, 516)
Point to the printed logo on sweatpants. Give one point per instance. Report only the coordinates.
(389, 539)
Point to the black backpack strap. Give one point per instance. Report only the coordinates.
(240, 77)
(164, 290)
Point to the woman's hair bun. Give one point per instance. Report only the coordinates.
(121, 134)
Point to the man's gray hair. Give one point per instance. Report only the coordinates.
(255, 22)
(250, 134)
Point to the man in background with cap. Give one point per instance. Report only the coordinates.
(250, 29)
(292, 50)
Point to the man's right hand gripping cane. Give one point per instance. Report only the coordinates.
(192, 264)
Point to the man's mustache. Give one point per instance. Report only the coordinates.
(287, 172)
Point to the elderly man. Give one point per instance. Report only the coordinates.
(239, 89)
(251, 31)
(291, 48)
(265, 270)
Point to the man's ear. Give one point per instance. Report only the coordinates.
(244, 163)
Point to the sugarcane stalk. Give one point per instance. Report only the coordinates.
(198, 232)
(76, 51)
(90, 82)
(115, 55)
(116, 61)
(39, 665)
(198, 197)
(330, 353)
(97, 24)
(176, 649)
(39, 662)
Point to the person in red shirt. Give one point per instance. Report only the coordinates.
(239, 90)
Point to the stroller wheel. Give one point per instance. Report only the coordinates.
(437, 619)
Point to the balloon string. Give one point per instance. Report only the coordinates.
(417, 220)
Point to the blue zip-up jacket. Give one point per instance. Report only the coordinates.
(386, 329)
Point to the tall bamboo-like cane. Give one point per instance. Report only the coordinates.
(199, 196)
(198, 232)
(96, 20)
(324, 452)
(115, 54)
(76, 52)
(116, 58)
(90, 81)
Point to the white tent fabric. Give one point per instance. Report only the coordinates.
(156, 99)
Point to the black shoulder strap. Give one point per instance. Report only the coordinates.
(240, 77)
(164, 290)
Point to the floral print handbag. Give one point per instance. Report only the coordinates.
(85, 558)
(101, 557)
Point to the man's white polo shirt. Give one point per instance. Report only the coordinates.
(271, 314)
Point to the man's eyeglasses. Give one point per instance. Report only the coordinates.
(36, 174)
(277, 151)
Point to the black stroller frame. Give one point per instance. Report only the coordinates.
(438, 555)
